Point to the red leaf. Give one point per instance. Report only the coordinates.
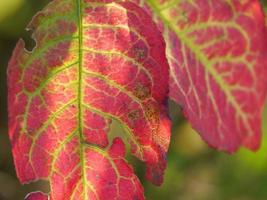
(94, 62)
(217, 52)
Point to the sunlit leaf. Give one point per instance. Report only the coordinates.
(94, 62)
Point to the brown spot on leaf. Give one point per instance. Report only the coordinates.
(152, 113)
(140, 53)
(133, 115)
(141, 92)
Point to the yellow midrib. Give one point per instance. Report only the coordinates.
(79, 101)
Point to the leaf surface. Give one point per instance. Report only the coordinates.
(217, 53)
(94, 62)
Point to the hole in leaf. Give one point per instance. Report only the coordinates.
(116, 130)
(30, 43)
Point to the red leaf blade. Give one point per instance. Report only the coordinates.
(94, 62)
(217, 54)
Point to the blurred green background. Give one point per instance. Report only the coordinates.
(195, 172)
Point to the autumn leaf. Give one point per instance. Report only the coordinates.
(217, 53)
(94, 62)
